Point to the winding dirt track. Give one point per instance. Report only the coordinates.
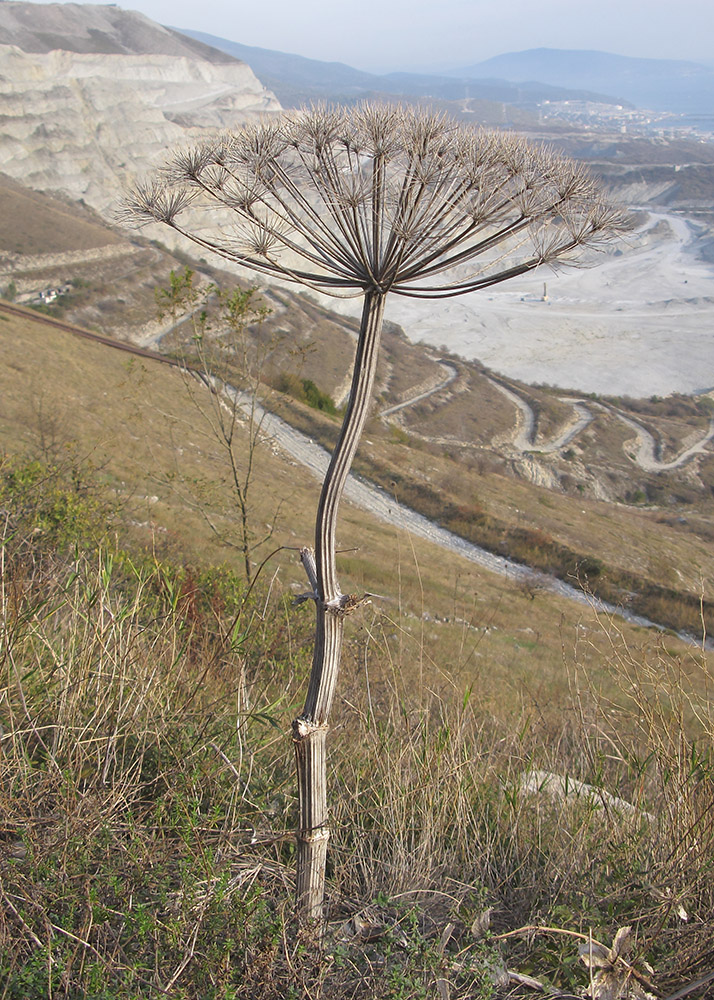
(525, 429)
(647, 447)
(646, 451)
(363, 494)
(451, 373)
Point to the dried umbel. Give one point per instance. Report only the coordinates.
(381, 198)
(369, 202)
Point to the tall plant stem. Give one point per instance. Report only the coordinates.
(310, 729)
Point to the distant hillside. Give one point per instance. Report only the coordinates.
(296, 80)
(33, 223)
(97, 29)
(290, 75)
(662, 84)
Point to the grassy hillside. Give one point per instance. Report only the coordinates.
(146, 776)
(654, 560)
(645, 537)
(135, 422)
(33, 223)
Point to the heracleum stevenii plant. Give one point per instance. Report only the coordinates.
(368, 202)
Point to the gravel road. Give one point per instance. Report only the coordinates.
(377, 502)
(647, 447)
(645, 456)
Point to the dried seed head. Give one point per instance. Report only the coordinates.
(155, 201)
(389, 197)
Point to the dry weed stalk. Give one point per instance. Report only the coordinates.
(369, 202)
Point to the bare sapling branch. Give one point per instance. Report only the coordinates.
(222, 356)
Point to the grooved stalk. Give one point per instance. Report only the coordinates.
(310, 730)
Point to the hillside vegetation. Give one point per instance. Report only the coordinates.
(148, 795)
(146, 776)
(514, 776)
(581, 511)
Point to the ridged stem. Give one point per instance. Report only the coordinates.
(310, 730)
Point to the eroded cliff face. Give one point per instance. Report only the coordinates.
(89, 123)
(100, 28)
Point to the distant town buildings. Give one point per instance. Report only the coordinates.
(628, 120)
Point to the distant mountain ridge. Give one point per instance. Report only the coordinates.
(660, 84)
(297, 80)
(282, 65)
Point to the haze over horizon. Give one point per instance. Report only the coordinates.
(457, 33)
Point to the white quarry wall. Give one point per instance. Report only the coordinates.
(88, 125)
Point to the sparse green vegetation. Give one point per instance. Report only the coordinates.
(222, 349)
(305, 390)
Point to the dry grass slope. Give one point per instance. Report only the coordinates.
(148, 798)
(33, 223)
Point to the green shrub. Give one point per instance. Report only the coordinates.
(61, 505)
(304, 390)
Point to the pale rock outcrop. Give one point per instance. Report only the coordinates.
(89, 124)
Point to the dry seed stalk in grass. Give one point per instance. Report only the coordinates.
(416, 811)
(363, 203)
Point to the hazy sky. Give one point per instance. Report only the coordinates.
(409, 34)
